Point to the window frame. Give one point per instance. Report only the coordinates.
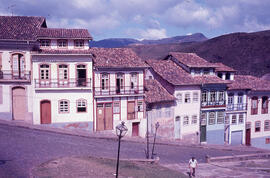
(195, 97)
(241, 119)
(114, 107)
(234, 119)
(81, 43)
(218, 117)
(257, 122)
(80, 101)
(265, 104)
(254, 100)
(265, 128)
(45, 43)
(104, 82)
(65, 71)
(185, 121)
(63, 110)
(212, 120)
(179, 98)
(62, 43)
(187, 98)
(194, 119)
(46, 71)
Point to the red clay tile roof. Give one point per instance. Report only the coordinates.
(223, 68)
(154, 92)
(116, 58)
(61, 33)
(20, 27)
(61, 51)
(175, 75)
(191, 60)
(249, 82)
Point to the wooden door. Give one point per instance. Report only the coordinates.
(45, 112)
(100, 117)
(19, 104)
(131, 110)
(203, 133)
(108, 116)
(248, 134)
(135, 129)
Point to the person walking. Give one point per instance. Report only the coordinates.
(192, 165)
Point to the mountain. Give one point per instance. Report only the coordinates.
(123, 42)
(246, 52)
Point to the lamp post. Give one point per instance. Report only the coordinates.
(121, 131)
(156, 125)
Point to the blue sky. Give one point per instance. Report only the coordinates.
(147, 19)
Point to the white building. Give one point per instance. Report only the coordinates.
(119, 90)
(17, 40)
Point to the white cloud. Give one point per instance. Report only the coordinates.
(153, 34)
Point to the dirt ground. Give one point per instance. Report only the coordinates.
(71, 167)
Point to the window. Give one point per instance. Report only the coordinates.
(62, 43)
(230, 99)
(79, 43)
(212, 118)
(18, 65)
(140, 106)
(63, 106)
(227, 119)
(203, 118)
(197, 71)
(204, 96)
(133, 80)
(220, 117)
(221, 96)
(264, 105)
(194, 119)
(119, 81)
(227, 77)
(104, 81)
(179, 97)
(257, 126)
(240, 98)
(44, 71)
(187, 97)
(248, 125)
(116, 107)
(186, 120)
(241, 119)
(81, 105)
(45, 43)
(206, 71)
(254, 105)
(267, 140)
(219, 75)
(212, 96)
(63, 72)
(267, 125)
(234, 119)
(195, 97)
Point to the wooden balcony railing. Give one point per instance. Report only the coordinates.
(70, 83)
(237, 107)
(127, 90)
(9, 75)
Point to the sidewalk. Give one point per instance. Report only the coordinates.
(241, 169)
(112, 136)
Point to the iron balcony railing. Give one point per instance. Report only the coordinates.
(9, 75)
(70, 83)
(237, 107)
(213, 103)
(127, 90)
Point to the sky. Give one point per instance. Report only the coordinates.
(147, 19)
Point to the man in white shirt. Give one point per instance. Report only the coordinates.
(192, 165)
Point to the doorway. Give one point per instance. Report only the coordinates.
(19, 103)
(248, 135)
(104, 116)
(45, 112)
(81, 75)
(131, 110)
(203, 133)
(135, 129)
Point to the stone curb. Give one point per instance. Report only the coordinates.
(237, 157)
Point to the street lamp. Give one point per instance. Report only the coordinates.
(121, 131)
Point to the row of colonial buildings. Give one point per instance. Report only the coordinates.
(51, 76)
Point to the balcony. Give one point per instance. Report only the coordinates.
(15, 76)
(61, 84)
(208, 104)
(237, 107)
(127, 90)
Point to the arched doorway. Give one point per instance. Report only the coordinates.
(19, 103)
(45, 112)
